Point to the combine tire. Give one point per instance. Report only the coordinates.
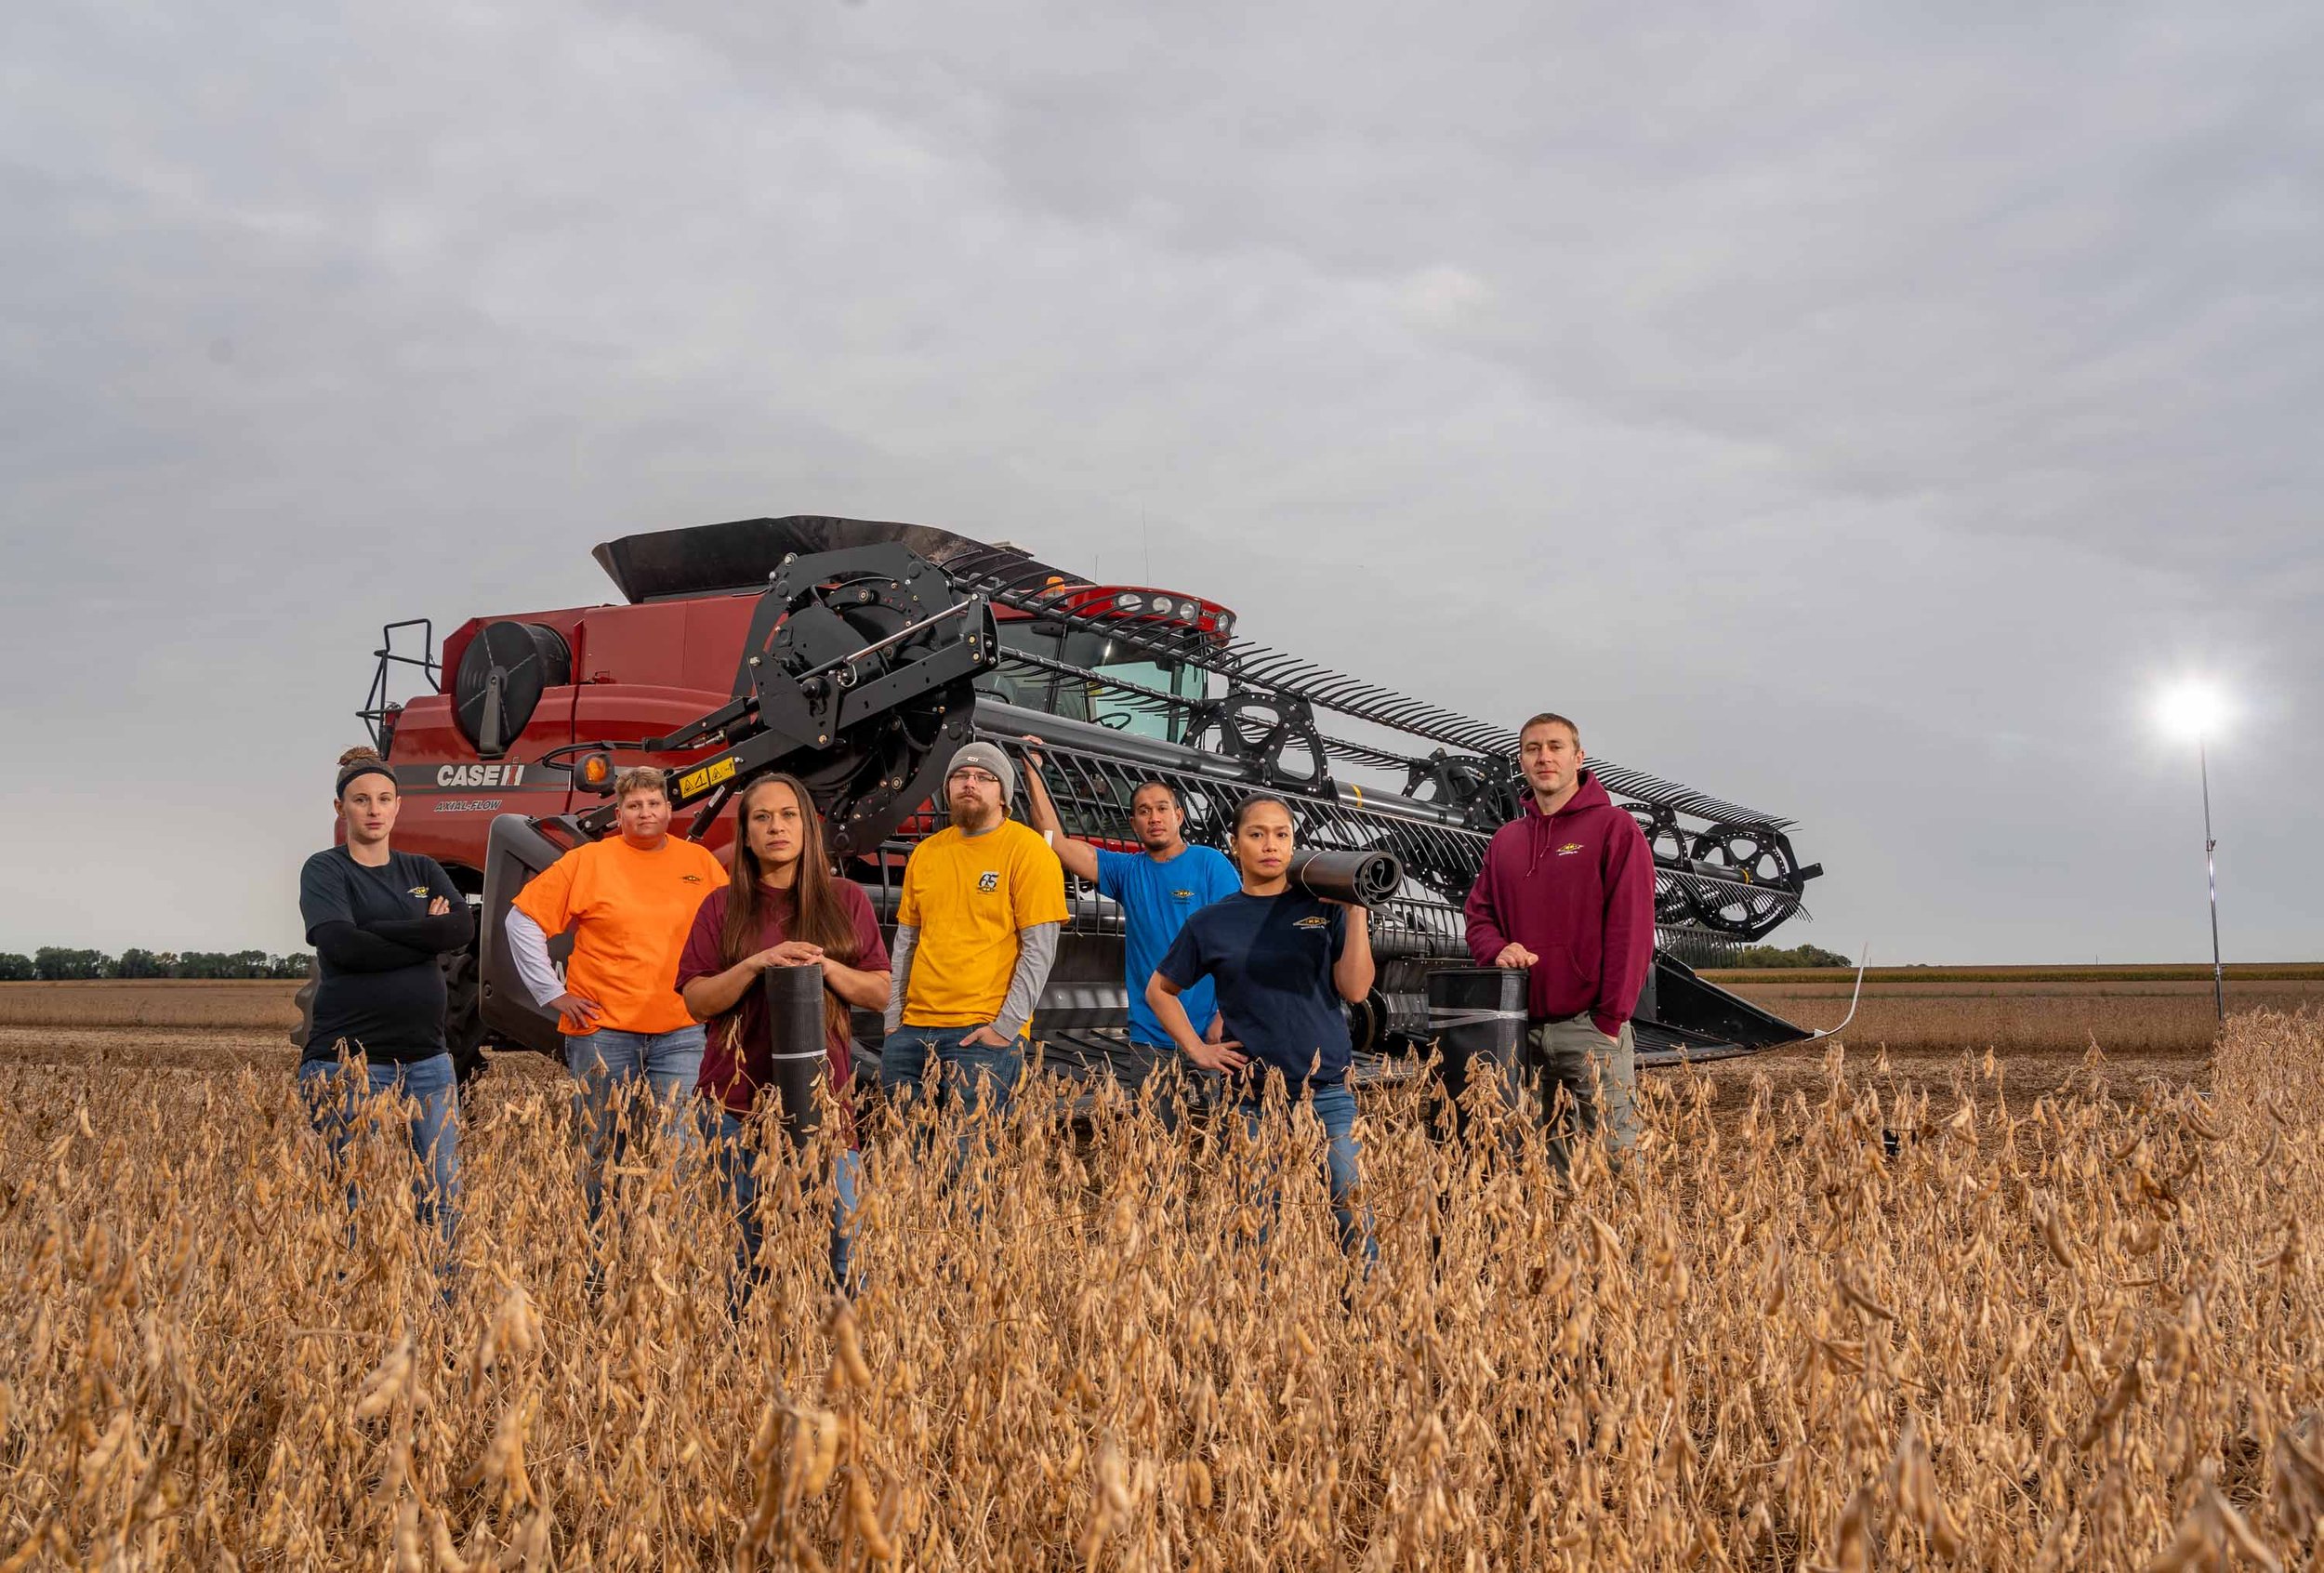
(305, 1000)
(463, 1016)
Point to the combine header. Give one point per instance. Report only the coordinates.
(858, 655)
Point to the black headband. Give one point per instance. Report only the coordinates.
(358, 768)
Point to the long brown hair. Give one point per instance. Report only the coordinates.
(815, 915)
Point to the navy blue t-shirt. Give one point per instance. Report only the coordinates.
(1157, 899)
(1271, 957)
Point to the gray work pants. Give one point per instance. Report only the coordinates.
(1586, 1080)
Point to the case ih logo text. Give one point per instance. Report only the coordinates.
(480, 775)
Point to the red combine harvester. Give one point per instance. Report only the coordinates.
(858, 655)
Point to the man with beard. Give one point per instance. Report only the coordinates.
(1568, 891)
(1158, 887)
(976, 933)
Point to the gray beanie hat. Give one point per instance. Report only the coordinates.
(986, 756)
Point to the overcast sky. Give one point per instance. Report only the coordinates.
(1855, 412)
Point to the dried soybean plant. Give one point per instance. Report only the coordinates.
(1880, 1326)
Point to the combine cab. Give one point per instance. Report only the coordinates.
(858, 655)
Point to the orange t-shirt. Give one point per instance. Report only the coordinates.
(629, 912)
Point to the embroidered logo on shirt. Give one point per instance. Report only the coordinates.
(1569, 849)
(989, 879)
(418, 891)
(1312, 923)
(1182, 896)
(692, 879)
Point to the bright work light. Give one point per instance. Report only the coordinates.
(2194, 706)
(2197, 707)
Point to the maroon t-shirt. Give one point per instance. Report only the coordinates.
(735, 1063)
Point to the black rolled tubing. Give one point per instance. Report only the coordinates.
(795, 1051)
(1367, 878)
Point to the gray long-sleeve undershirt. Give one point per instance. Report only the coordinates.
(900, 970)
(528, 947)
(1036, 952)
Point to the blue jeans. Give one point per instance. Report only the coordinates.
(737, 1157)
(336, 1107)
(970, 1077)
(1185, 1087)
(607, 1065)
(970, 1073)
(1335, 1107)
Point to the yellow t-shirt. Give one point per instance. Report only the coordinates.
(969, 895)
(629, 912)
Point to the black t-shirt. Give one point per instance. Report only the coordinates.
(1272, 957)
(396, 1014)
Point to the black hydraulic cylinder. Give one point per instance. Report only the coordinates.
(796, 1050)
(1477, 1015)
(1368, 879)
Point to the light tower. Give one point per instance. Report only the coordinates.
(2196, 708)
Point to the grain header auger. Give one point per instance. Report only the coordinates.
(858, 655)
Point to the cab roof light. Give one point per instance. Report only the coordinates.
(1149, 605)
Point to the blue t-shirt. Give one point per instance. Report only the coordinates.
(1156, 900)
(1271, 957)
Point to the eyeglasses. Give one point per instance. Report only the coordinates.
(969, 772)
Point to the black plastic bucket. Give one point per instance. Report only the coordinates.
(796, 1050)
(1477, 1015)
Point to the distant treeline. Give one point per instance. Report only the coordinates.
(56, 964)
(1769, 956)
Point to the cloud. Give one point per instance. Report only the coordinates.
(1854, 411)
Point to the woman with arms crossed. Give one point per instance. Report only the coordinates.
(1283, 960)
(784, 908)
(379, 918)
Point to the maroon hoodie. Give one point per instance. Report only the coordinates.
(1576, 888)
